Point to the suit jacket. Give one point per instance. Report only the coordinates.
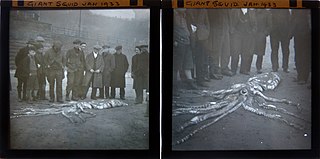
(20, 64)
(109, 65)
(118, 74)
(75, 60)
(95, 64)
(140, 70)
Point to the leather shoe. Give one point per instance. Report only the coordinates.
(286, 70)
(259, 71)
(190, 84)
(226, 73)
(244, 73)
(202, 84)
(216, 77)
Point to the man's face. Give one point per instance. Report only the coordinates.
(77, 46)
(83, 46)
(119, 51)
(41, 50)
(32, 52)
(56, 48)
(137, 51)
(96, 50)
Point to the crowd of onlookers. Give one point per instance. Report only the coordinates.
(208, 41)
(103, 69)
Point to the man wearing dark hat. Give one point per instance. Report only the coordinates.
(20, 73)
(109, 65)
(55, 63)
(118, 74)
(140, 72)
(75, 68)
(94, 69)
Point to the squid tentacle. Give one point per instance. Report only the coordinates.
(270, 99)
(205, 108)
(273, 107)
(204, 117)
(207, 125)
(271, 116)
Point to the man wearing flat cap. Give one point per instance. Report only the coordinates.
(55, 63)
(94, 69)
(19, 74)
(140, 72)
(75, 67)
(118, 74)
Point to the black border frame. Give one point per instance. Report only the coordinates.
(168, 153)
(154, 109)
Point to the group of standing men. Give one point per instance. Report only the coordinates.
(208, 40)
(102, 69)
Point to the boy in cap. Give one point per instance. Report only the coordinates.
(118, 74)
(94, 69)
(31, 67)
(75, 67)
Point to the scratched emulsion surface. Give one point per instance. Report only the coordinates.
(115, 128)
(244, 130)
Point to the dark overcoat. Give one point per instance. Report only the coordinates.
(99, 65)
(109, 65)
(19, 62)
(140, 70)
(118, 74)
(264, 24)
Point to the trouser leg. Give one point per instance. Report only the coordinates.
(259, 62)
(113, 92)
(274, 53)
(285, 53)
(94, 93)
(106, 91)
(122, 93)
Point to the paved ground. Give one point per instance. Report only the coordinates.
(243, 130)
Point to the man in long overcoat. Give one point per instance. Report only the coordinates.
(109, 65)
(118, 79)
(243, 29)
(264, 24)
(219, 43)
(199, 20)
(94, 69)
(20, 73)
(140, 72)
(55, 63)
(75, 67)
(281, 21)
